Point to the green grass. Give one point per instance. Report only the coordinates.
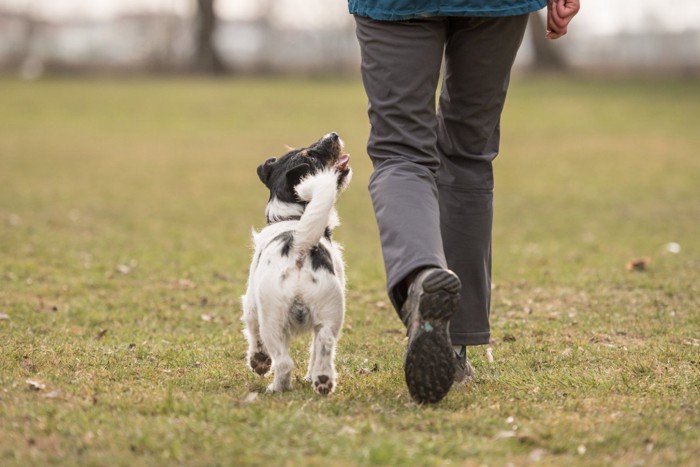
(125, 217)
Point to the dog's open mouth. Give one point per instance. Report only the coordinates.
(342, 163)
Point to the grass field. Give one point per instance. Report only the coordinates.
(125, 216)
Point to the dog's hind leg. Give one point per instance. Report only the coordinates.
(321, 367)
(312, 360)
(282, 363)
(258, 357)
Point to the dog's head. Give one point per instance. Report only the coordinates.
(281, 175)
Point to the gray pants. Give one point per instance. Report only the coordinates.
(432, 185)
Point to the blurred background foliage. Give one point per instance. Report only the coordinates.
(308, 37)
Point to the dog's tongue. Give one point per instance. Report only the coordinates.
(342, 163)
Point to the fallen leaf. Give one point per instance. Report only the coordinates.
(221, 276)
(638, 264)
(206, 317)
(489, 354)
(603, 340)
(508, 338)
(35, 385)
(529, 439)
(4, 316)
(649, 444)
(52, 395)
(536, 455)
(347, 430)
(504, 435)
(250, 398)
(673, 247)
(581, 449)
(123, 268)
(101, 334)
(184, 284)
(88, 437)
(366, 371)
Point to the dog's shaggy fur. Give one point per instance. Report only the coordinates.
(297, 277)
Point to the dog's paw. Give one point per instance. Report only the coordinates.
(323, 385)
(260, 363)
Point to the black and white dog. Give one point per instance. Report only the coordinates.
(297, 278)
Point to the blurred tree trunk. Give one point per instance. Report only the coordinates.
(206, 59)
(547, 56)
(265, 10)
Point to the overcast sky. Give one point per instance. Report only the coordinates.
(597, 16)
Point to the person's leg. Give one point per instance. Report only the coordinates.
(400, 72)
(478, 58)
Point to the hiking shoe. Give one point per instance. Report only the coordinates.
(463, 370)
(429, 365)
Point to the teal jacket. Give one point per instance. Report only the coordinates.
(397, 10)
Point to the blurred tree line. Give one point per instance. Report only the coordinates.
(317, 38)
(208, 60)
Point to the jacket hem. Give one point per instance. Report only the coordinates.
(382, 14)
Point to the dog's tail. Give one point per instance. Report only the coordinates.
(320, 191)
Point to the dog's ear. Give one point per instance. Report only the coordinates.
(265, 169)
(295, 174)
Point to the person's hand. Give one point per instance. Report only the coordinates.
(559, 14)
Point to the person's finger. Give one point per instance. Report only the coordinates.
(566, 9)
(557, 20)
(551, 25)
(554, 35)
(554, 29)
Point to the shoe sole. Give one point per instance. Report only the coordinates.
(429, 366)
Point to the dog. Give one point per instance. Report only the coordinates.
(296, 282)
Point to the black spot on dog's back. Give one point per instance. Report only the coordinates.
(287, 239)
(320, 256)
(321, 259)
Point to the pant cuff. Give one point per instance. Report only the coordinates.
(471, 338)
(395, 289)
